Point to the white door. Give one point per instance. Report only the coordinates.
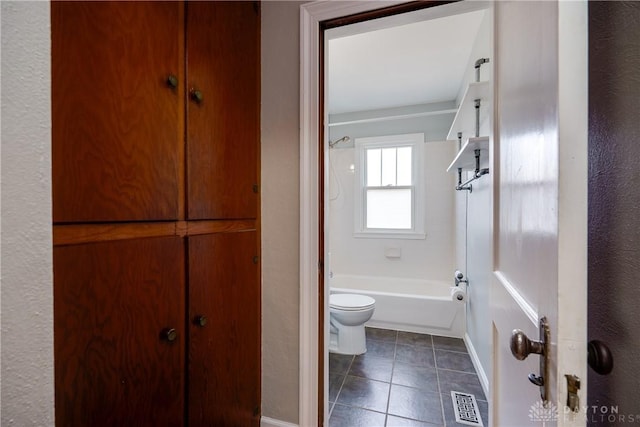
(540, 209)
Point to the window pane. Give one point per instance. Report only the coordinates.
(388, 166)
(404, 166)
(389, 208)
(373, 167)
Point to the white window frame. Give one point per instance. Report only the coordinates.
(414, 140)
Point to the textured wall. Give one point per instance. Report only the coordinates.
(27, 283)
(614, 199)
(280, 208)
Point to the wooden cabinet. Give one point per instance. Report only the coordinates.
(156, 213)
(222, 269)
(121, 93)
(117, 126)
(223, 51)
(113, 299)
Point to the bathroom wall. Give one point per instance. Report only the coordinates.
(280, 208)
(27, 391)
(474, 225)
(434, 122)
(431, 258)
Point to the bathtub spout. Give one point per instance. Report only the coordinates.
(459, 278)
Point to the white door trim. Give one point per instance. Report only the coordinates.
(310, 17)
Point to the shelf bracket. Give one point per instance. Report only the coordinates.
(461, 186)
(477, 65)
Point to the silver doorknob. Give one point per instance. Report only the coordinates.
(522, 346)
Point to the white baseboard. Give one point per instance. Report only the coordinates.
(270, 422)
(482, 375)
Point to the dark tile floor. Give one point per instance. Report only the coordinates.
(404, 379)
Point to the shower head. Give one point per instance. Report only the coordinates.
(345, 138)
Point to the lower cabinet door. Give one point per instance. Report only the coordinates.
(119, 324)
(224, 337)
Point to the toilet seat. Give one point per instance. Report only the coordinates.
(350, 302)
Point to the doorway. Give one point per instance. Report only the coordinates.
(353, 112)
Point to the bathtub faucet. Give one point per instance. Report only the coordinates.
(459, 277)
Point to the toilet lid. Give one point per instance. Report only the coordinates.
(350, 302)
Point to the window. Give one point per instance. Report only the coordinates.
(389, 187)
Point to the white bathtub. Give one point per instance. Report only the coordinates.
(407, 304)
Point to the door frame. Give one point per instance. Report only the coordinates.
(312, 133)
(311, 15)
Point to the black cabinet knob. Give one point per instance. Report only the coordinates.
(172, 81)
(168, 334)
(196, 96)
(200, 320)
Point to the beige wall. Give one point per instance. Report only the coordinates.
(27, 279)
(280, 208)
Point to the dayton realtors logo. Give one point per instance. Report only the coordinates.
(609, 415)
(543, 412)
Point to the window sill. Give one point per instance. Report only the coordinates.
(410, 235)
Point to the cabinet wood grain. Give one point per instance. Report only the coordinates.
(223, 130)
(224, 355)
(156, 213)
(112, 300)
(118, 128)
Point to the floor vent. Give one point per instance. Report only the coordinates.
(466, 409)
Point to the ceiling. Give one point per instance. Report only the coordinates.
(417, 63)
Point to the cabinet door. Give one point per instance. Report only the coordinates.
(115, 364)
(118, 126)
(224, 354)
(223, 49)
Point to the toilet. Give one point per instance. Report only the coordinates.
(347, 316)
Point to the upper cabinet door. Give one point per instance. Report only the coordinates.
(118, 118)
(223, 109)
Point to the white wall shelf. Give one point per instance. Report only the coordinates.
(465, 119)
(466, 158)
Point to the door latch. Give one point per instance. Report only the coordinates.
(573, 385)
(522, 346)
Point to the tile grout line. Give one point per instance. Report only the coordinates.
(346, 374)
(435, 364)
(393, 367)
(395, 341)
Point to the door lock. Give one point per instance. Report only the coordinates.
(573, 385)
(522, 346)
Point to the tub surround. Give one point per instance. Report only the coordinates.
(407, 304)
(431, 258)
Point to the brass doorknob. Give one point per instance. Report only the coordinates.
(200, 320)
(169, 334)
(172, 81)
(522, 346)
(196, 96)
